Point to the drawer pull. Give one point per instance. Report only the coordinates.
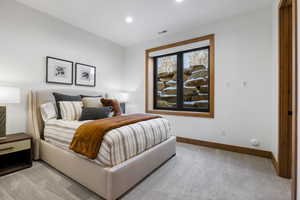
(7, 149)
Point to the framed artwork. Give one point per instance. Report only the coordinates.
(85, 75)
(59, 71)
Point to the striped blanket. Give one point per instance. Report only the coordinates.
(119, 144)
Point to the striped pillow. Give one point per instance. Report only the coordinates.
(92, 102)
(70, 110)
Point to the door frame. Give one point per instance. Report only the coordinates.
(295, 100)
(285, 99)
(287, 166)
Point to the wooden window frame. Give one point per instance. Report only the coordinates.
(210, 114)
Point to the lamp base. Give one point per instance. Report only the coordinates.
(2, 122)
(123, 107)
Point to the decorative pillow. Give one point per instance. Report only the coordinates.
(48, 111)
(62, 97)
(116, 108)
(92, 102)
(70, 110)
(83, 96)
(95, 113)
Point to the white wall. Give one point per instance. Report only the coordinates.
(28, 36)
(243, 52)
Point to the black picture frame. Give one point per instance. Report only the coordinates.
(76, 73)
(47, 71)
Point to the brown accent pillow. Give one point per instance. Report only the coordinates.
(116, 108)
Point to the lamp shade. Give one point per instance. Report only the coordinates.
(123, 97)
(9, 95)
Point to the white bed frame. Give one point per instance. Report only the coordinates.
(109, 183)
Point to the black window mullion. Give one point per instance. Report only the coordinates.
(208, 80)
(155, 83)
(179, 80)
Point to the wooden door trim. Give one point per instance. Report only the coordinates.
(284, 135)
(285, 3)
(295, 100)
(282, 146)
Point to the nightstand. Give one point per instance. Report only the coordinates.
(15, 153)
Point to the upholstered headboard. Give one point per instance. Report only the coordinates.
(39, 97)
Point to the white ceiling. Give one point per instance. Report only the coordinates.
(106, 18)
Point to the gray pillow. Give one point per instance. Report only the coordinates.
(62, 97)
(83, 96)
(95, 113)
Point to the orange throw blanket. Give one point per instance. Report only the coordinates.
(89, 136)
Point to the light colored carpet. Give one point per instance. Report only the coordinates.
(195, 173)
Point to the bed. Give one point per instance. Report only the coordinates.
(108, 178)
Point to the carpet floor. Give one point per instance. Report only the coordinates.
(195, 173)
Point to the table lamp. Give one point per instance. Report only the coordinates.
(123, 98)
(8, 95)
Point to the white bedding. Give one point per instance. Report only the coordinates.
(118, 144)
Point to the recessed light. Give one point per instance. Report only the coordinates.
(179, 1)
(129, 20)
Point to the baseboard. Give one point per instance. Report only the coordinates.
(227, 147)
(275, 164)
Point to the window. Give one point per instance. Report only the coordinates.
(180, 78)
(181, 81)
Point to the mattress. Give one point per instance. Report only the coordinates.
(118, 145)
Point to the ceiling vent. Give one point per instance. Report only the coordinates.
(162, 32)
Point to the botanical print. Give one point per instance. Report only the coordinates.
(85, 75)
(59, 71)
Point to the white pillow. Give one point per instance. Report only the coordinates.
(92, 102)
(70, 110)
(48, 111)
